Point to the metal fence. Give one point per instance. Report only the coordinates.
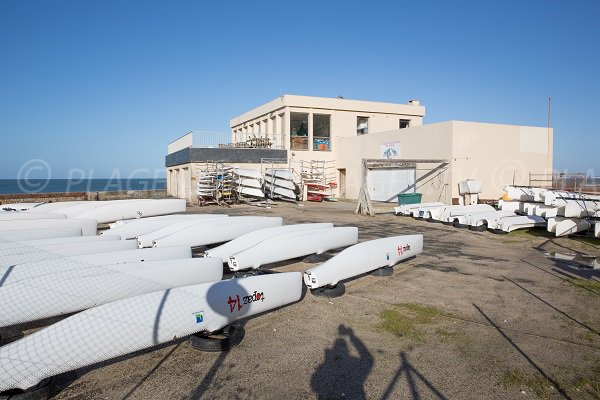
(575, 182)
(215, 139)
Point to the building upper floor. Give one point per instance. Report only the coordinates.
(306, 123)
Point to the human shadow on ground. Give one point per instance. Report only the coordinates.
(411, 373)
(343, 375)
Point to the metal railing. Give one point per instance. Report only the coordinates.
(216, 139)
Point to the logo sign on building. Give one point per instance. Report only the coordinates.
(390, 150)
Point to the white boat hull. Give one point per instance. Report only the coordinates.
(87, 226)
(248, 173)
(292, 245)
(279, 182)
(509, 224)
(97, 334)
(363, 258)
(253, 238)
(35, 234)
(143, 226)
(17, 216)
(147, 239)
(405, 209)
(74, 290)
(217, 231)
(250, 191)
(18, 272)
(21, 254)
(248, 182)
(18, 206)
(127, 209)
(282, 192)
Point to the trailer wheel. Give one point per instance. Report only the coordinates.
(478, 228)
(329, 291)
(222, 340)
(42, 391)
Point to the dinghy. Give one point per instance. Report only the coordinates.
(269, 180)
(248, 173)
(281, 192)
(567, 226)
(284, 174)
(216, 231)
(28, 270)
(70, 240)
(248, 182)
(292, 245)
(363, 258)
(73, 290)
(480, 221)
(448, 213)
(250, 191)
(137, 323)
(255, 237)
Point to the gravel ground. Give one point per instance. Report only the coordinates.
(476, 316)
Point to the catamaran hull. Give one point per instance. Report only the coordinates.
(279, 182)
(74, 290)
(137, 323)
(34, 234)
(127, 209)
(253, 238)
(143, 226)
(217, 231)
(363, 258)
(88, 226)
(20, 216)
(15, 273)
(292, 245)
(21, 254)
(147, 239)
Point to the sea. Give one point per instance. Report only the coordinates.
(28, 186)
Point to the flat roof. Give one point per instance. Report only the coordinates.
(328, 103)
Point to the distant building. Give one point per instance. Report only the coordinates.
(340, 133)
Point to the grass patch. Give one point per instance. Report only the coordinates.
(528, 233)
(445, 336)
(535, 383)
(590, 384)
(407, 318)
(591, 285)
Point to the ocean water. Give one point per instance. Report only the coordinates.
(12, 186)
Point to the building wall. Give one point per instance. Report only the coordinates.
(495, 154)
(421, 142)
(499, 155)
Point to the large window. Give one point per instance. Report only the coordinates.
(362, 125)
(404, 123)
(321, 132)
(298, 131)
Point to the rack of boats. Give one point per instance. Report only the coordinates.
(562, 213)
(137, 284)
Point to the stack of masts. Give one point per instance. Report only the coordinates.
(567, 212)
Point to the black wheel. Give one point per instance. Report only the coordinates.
(461, 226)
(480, 228)
(222, 340)
(385, 271)
(448, 223)
(498, 231)
(329, 291)
(42, 391)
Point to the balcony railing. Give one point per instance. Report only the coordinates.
(212, 139)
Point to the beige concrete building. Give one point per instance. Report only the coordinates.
(429, 159)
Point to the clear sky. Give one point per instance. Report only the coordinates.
(104, 86)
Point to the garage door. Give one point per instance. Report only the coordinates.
(385, 184)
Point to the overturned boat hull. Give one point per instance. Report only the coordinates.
(363, 258)
(137, 323)
(292, 245)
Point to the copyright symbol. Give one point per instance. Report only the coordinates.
(35, 167)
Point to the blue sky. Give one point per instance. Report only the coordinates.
(103, 86)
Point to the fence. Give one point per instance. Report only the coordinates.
(215, 139)
(575, 182)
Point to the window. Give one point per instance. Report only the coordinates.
(404, 123)
(321, 132)
(362, 125)
(298, 131)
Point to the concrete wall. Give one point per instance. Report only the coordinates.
(183, 142)
(421, 142)
(495, 154)
(499, 155)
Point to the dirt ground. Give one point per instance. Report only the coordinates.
(476, 316)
